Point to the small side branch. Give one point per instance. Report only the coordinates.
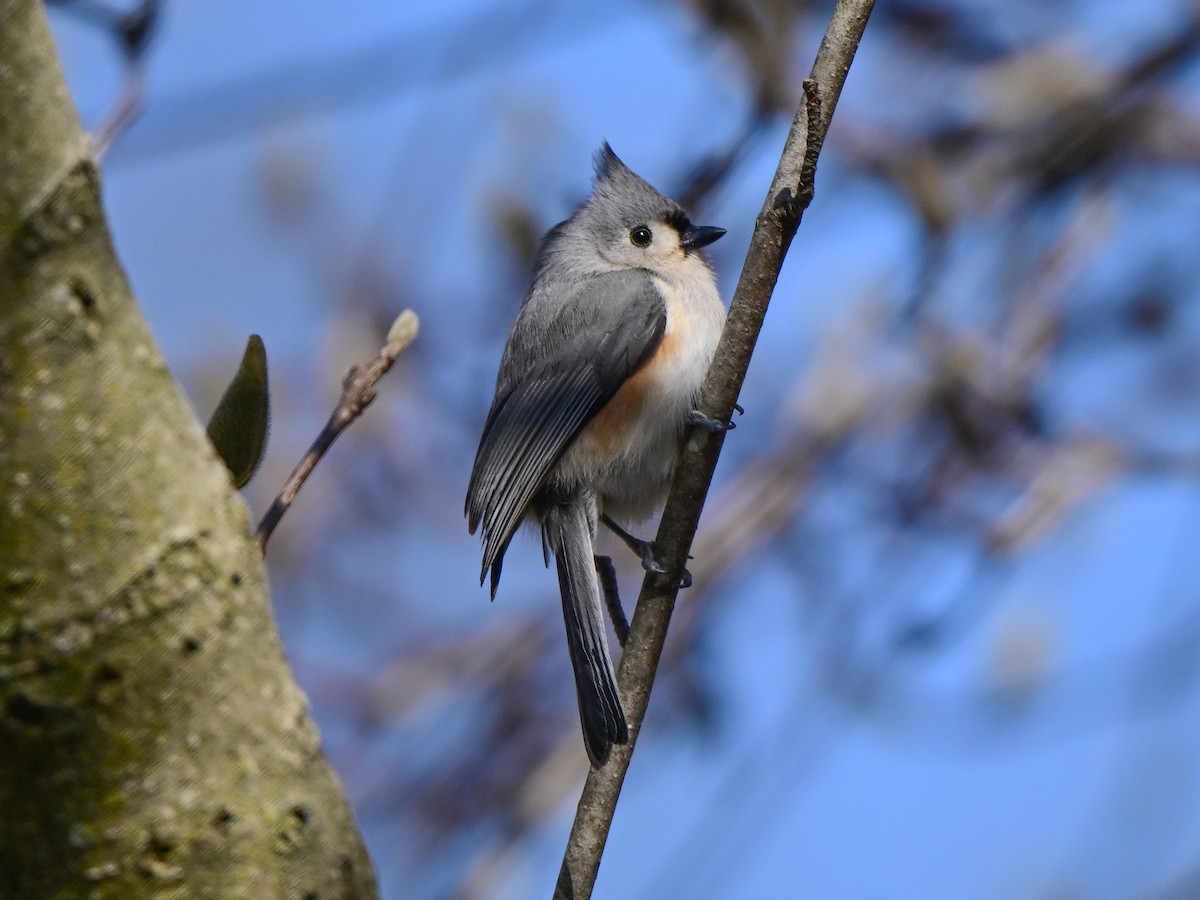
(132, 30)
(358, 390)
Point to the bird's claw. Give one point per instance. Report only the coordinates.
(708, 423)
(645, 550)
(650, 564)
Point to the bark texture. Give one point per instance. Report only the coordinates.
(152, 740)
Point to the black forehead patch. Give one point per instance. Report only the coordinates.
(678, 220)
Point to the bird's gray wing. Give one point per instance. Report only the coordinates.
(603, 335)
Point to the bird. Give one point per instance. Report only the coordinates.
(597, 384)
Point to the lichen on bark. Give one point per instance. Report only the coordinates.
(152, 739)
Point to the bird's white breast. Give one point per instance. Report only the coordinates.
(628, 452)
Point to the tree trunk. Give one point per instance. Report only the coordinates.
(152, 741)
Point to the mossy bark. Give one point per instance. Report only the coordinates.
(152, 740)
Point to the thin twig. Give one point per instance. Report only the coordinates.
(123, 113)
(132, 30)
(358, 390)
(773, 232)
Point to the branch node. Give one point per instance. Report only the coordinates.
(786, 202)
(813, 111)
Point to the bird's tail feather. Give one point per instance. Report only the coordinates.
(568, 530)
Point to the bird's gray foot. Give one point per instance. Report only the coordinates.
(612, 597)
(708, 423)
(644, 550)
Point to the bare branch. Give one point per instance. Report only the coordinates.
(132, 30)
(357, 394)
(123, 113)
(789, 195)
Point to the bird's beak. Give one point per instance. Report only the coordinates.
(698, 236)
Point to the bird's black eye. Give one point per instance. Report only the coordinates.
(640, 236)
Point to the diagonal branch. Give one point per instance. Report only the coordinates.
(358, 392)
(790, 193)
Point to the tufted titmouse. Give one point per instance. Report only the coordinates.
(599, 378)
